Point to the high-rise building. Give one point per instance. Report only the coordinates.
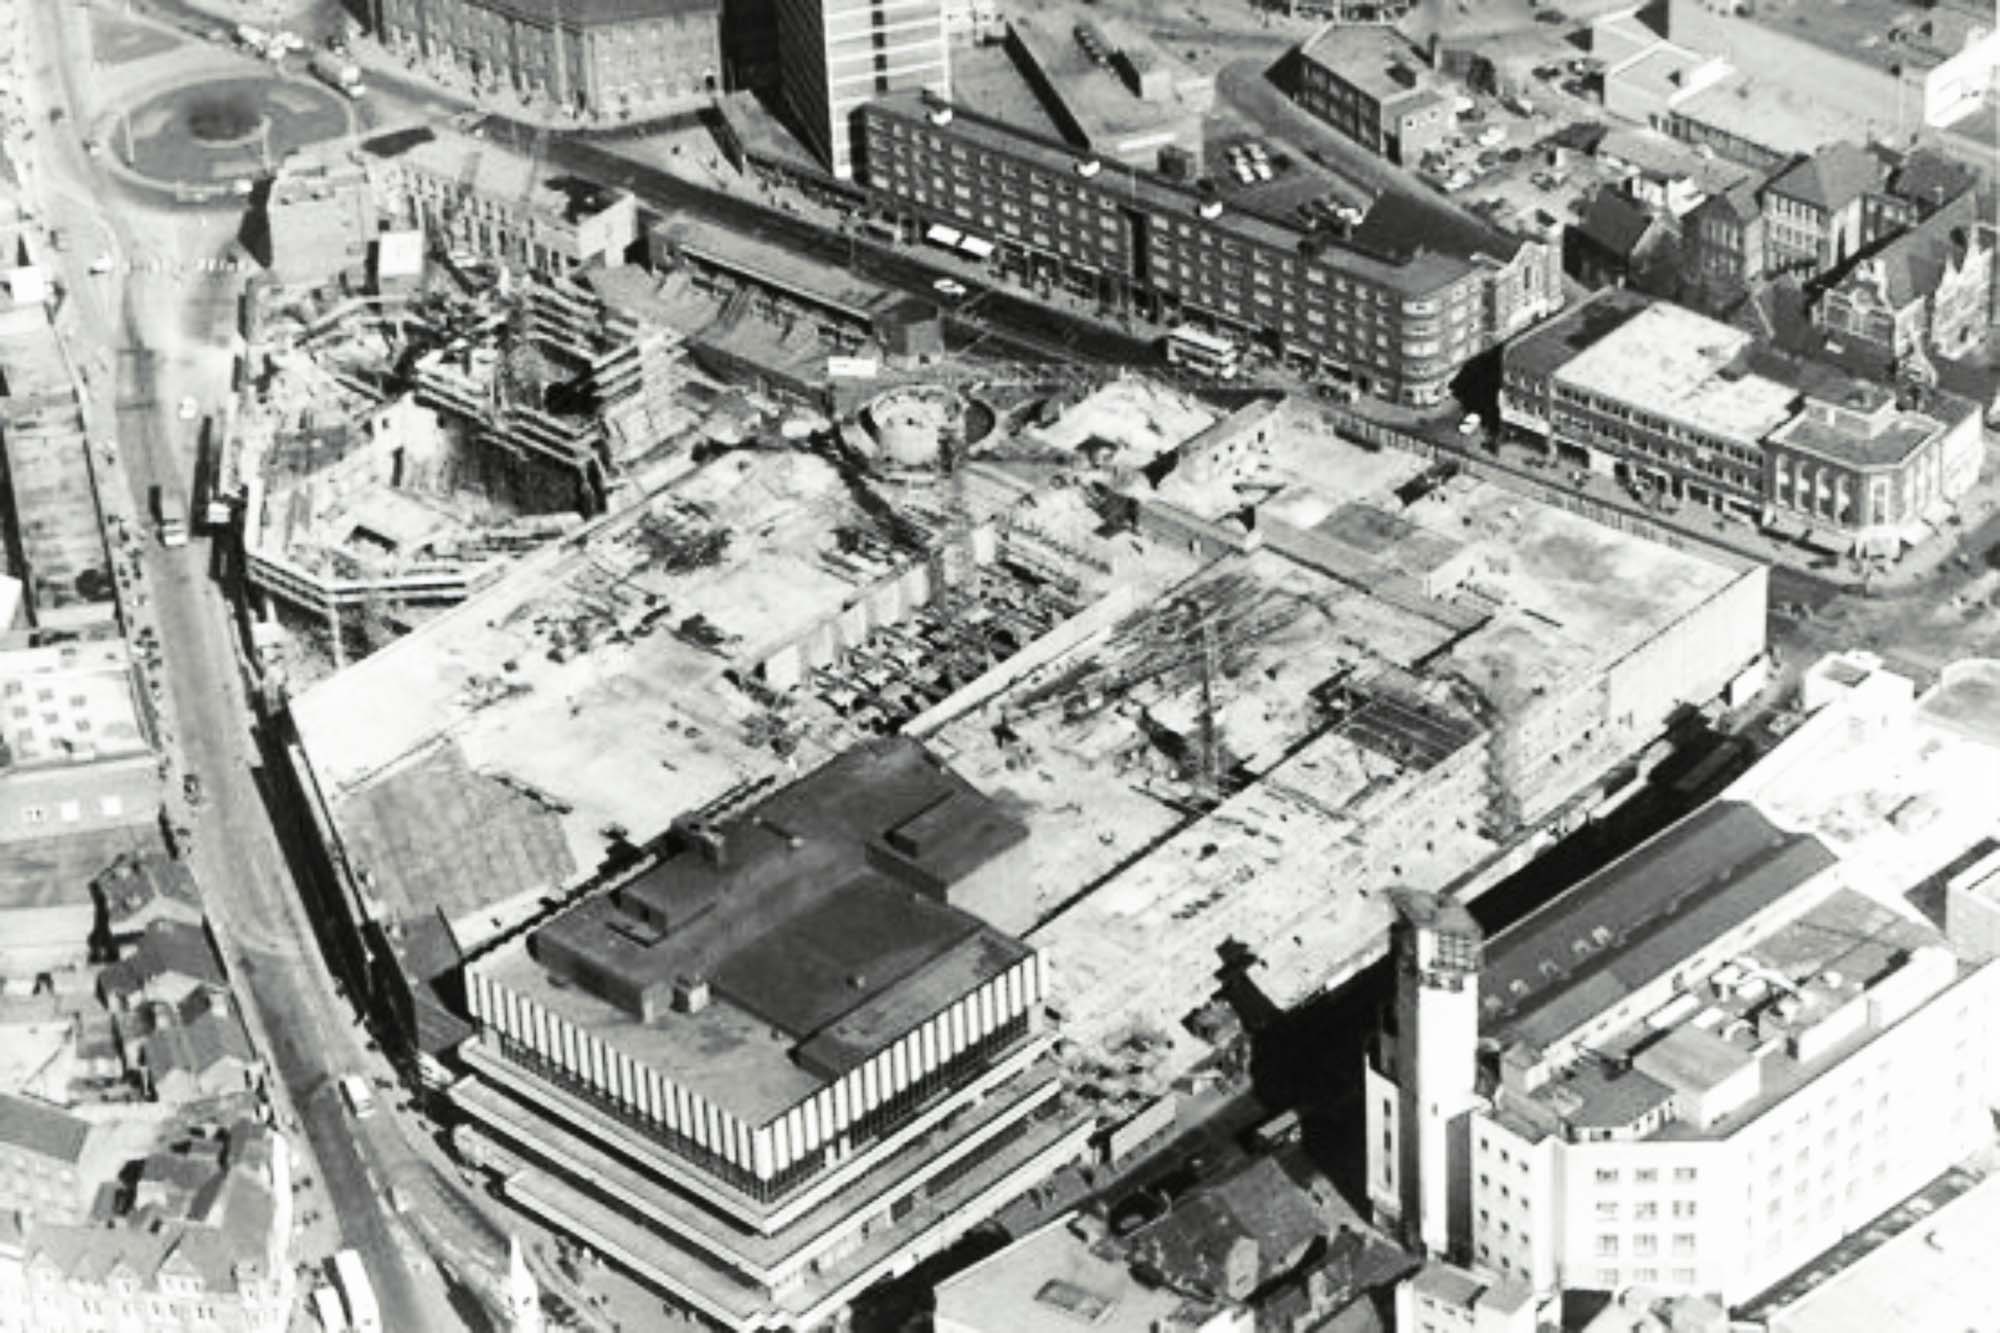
(834, 55)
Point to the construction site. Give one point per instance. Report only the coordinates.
(1236, 675)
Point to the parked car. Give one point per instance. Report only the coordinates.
(950, 287)
(1470, 424)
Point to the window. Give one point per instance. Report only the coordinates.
(1607, 1175)
(1684, 1175)
(1607, 1210)
(1684, 1244)
(1646, 1176)
(1607, 1246)
(1645, 1245)
(1646, 1212)
(1684, 1208)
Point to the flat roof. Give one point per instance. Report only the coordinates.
(816, 915)
(1934, 1270)
(1924, 35)
(1881, 443)
(1055, 1281)
(1109, 113)
(1638, 918)
(775, 266)
(1772, 115)
(1684, 367)
(564, 680)
(1378, 60)
(69, 704)
(1423, 270)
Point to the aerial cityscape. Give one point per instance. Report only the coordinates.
(999, 666)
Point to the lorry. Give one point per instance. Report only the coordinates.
(363, 1314)
(343, 75)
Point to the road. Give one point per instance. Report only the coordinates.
(168, 337)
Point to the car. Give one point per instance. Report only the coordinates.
(189, 409)
(1551, 16)
(241, 186)
(950, 287)
(1470, 424)
(102, 264)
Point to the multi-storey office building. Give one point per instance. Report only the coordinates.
(834, 55)
(774, 1064)
(1399, 319)
(600, 57)
(1700, 1068)
(1698, 410)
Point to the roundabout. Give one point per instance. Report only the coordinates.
(215, 132)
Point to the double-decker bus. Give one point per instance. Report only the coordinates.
(1203, 352)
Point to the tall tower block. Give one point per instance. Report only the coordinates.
(1437, 946)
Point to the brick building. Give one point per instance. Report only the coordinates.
(1373, 86)
(1695, 410)
(1396, 307)
(601, 57)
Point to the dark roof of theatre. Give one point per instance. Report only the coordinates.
(588, 13)
(1831, 178)
(820, 910)
(1638, 918)
(41, 1129)
(1554, 344)
(1403, 224)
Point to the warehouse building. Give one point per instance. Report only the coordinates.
(1397, 307)
(1718, 1057)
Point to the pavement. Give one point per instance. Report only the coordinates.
(141, 337)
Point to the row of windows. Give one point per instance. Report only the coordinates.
(1646, 1244)
(1646, 1175)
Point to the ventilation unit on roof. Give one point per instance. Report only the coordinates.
(1209, 209)
(940, 115)
(1089, 167)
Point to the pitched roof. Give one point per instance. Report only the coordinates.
(41, 1129)
(198, 1044)
(1738, 202)
(1912, 264)
(168, 948)
(1615, 223)
(1930, 179)
(1831, 178)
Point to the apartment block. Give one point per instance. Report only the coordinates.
(1396, 307)
(774, 1064)
(835, 55)
(1716, 1058)
(41, 1156)
(600, 57)
(1696, 410)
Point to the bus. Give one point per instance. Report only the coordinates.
(363, 1314)
(171, 514)
(1203, 352)
(354, 1090)
(326, 1304)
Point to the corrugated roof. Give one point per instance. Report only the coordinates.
(41, 1129)
(1639, 918)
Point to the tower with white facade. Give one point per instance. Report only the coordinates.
(1422, 1085)
(834, 55)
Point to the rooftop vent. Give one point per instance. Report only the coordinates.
(691, 995)
(1089, 167)
(1209, 209)
(940, 115)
